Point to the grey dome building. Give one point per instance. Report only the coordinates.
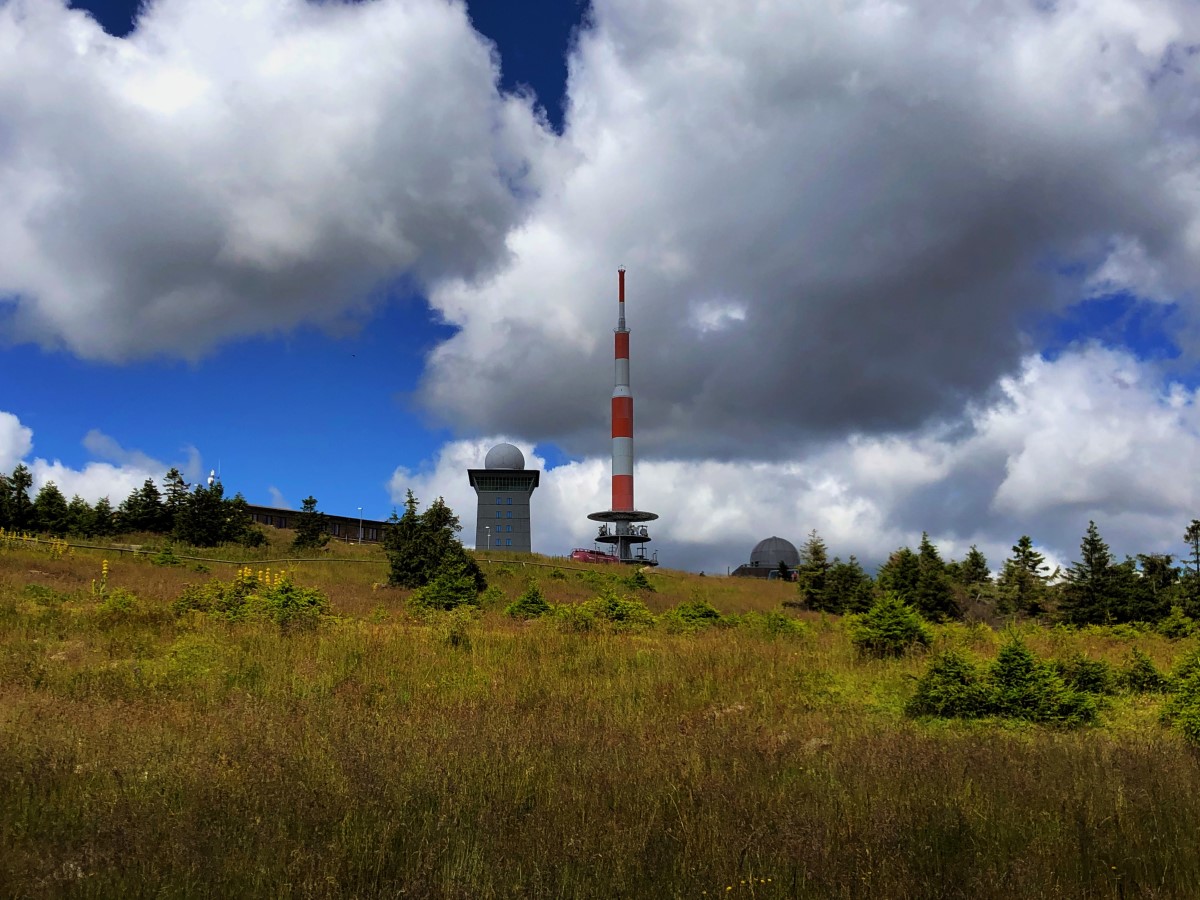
(766, 557)
(504, 456)
(504, 488)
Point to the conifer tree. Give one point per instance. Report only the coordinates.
(1022, 581)
(933, 598)
(50, 512)
(176, 496)
(1192, 537)
(103, 521)
(5, 501)
(422, 546)
(143, 509)
(79, 516)
(973, 570)
(848, 588)
(900, 574)
(1088, 595)
(21, 506)
(812, 573)
(312, 527)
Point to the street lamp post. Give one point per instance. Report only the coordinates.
(488, 531)
(360, 524)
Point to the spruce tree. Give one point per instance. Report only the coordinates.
(812, 573)
(422, 546)
(900, 574)
(848, 588)
(312, 528)
(176, 497)
(1022, 581)
(79, 517)
(103, 518)
(1088, 595)
(143, 509)
(1192, 537)
(934, 597)
(50, 512)
(5, 501)
(973, 570)
(21, 509)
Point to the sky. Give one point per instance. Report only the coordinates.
(892, 266)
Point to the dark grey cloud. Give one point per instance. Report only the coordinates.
(880, 198)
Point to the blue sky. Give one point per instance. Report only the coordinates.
(326, 247)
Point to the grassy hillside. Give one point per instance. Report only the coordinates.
(149, 752)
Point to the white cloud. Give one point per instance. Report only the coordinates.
(1092, 434)
(241, 166)
(15, 441)
(277, 498)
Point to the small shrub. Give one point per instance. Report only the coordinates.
(889, 628)
(609, 611)
(454, 627)
(772, 624)
(594, 579)
(1177, 625)
(558, 574)
(44, 596)
(1141, 676)
(1187, 666)
(1016, 686)
(491, 596)
(117, 607)
(1183, 709)
(952, 687)
(530, 605)
(256, 595)
(1025, 688)
(166, 557)
(1092, 676)
(692, 615)
(638, 582)
(451, 588)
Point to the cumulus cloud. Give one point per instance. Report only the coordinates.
(1092, 434)
(116, 473)
(835, 218)
(241, 166)
(15, 441)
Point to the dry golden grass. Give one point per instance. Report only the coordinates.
(147, 754)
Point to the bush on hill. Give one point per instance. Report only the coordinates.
(1016, 686)
(889, 628)
(530, 605)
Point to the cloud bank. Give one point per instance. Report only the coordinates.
(1092, 434)
(115, 472)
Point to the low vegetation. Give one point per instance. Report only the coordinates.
(201, 729)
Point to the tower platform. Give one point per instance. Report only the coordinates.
(626, 533)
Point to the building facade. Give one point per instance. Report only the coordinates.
(504, 488)
(342, 528)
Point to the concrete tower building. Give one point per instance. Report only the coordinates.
(623, 522)
(504, 488)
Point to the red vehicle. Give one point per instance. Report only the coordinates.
(581, 554)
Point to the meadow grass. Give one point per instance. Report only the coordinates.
(145, 753)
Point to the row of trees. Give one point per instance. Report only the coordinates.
(1097, 589)
(199, 515)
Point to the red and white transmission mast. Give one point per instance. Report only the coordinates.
(624, 519)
